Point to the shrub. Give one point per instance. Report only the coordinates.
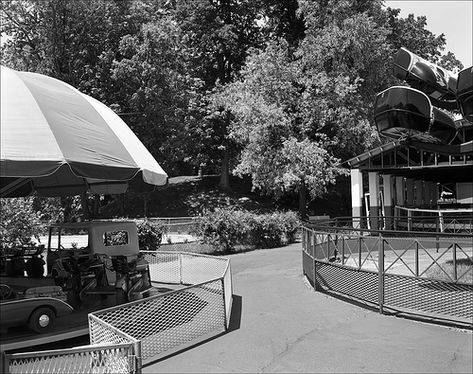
(150, 235)
(220, 228)
(226, 228)
(19, 222)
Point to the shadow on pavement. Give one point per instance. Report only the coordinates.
(235, 319)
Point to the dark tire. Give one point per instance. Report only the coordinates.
(41, 320)
(5, 292)
(34, 267)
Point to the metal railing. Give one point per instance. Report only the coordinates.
(168, 322)
(112, 358)
(414, 221)
(128, 336)
(414, 272)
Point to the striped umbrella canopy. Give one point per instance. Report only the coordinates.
(58, 141)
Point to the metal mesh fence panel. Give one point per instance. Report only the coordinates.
(167, 321)
(91, 359)
(308, 266)
(101, 332)
(164, 267)
(200, 268)
(190, 246)
(228, 290)
(353, 282)
(429, 296)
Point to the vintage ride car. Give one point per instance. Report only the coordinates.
(36, 307)
(86, 263)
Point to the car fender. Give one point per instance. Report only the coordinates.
(17, 312)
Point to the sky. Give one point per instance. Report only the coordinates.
(453, 18)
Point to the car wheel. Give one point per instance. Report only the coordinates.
(41, 320)
(5, 291)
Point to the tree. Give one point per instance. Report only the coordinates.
(153, 77)
(297, 113)
(277, 151)
(219, 34)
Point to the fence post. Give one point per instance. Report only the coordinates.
(313, 256)
(304, 233)
(455, 262)
(313, 244)
(343, 250)
(180, 268)
(381, 273)
(329, 237)
(417, 258)
(139, 359)
(224, 307)
(4, 363)
(359, 250)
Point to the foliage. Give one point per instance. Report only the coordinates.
(226, 228)
(297, 112)
(19, 223)
(278, 90)
(150, 235)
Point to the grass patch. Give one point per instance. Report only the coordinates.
(464, 271)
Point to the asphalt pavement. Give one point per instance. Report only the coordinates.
(280, 324)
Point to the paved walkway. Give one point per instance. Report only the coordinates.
(285, 326)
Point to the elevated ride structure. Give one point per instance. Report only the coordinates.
(407, 248)
(430, 155)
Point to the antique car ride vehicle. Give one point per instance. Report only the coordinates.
(85, 263)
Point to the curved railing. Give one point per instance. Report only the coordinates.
(409, 220)
(422, 273)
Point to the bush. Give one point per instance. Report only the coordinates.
(220, 228)
(150, 235)
(19, 222)
(226, 228)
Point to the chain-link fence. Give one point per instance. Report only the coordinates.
(426, 274)
(170, 321)
(128, 336)
(112, 359)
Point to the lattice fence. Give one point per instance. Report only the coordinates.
(111, 359)
(141, 331)
(165, 322)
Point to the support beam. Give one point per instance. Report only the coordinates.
(400, 198)
(430, 188)
(410, 192)
(419, 194)
(373, 178)
(388, 194)
(356, 195)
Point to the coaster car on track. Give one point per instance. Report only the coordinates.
(438, 83)
(402, 112)
(465, 93)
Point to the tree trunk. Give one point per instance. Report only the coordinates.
(84, 203)
(66, 203)
(95, 211)
(145, 205)
(303, 201)
(122, 204)
(224, 183)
